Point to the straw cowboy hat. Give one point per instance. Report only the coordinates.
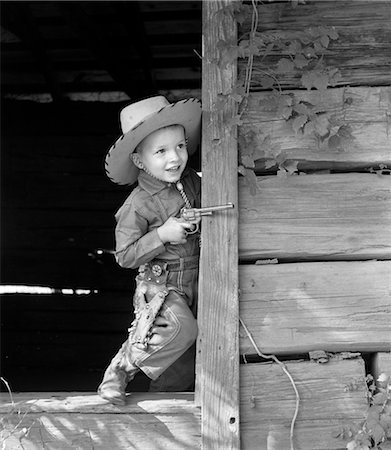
(140, 119)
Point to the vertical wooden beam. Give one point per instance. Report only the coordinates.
(218, 359)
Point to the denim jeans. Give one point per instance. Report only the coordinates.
(173, 343)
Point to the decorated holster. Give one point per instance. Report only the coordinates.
(151, 291)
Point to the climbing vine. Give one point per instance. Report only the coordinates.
(301, 55)
(376, 428)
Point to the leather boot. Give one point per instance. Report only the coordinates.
(116, 378)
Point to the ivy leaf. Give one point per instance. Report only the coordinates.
(243, 48)
(321, 81)
(298, 122)
(334, 76)
(247, 161)
(345, 131)
(251, 179)
(287, 112)
(241, 13)
(302, 108)
(294, 47)
(385, 421)
(270, 103)
(377, 433)
(324, 40)
(321, 124)
(268, 49)
(308, 80)
(284, 106)
(266, 82)
(290, 167)
(313, 32)
(304, 38)
(379, 398)
(285, 65)
(269, 163)
(318, 47)
(309, 128)
(332, 32)
(309, 52)
(300, 61)
(247, 143)
(286, 99)
(334, 142)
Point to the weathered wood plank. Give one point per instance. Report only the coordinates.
(218, 363)
(67, 420)
(365, 110)
(326, 403)
(88, 403)
(339, 216)
(333, 306)
(363, 57)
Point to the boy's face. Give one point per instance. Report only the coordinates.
(163, 153)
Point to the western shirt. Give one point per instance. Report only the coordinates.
(148, 207)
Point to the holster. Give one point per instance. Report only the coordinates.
(151, 291)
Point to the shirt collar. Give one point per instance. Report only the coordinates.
(153, 185)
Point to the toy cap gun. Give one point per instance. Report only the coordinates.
(191, 214)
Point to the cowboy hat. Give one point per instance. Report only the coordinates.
(140, 119)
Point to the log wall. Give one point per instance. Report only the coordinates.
(314, 241)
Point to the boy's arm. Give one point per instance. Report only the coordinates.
(135, 245)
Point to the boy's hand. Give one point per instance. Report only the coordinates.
(174, 230)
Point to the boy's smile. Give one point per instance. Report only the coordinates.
(163, 153)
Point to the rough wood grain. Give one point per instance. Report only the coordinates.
(88, 403)
(326, 404)
(84, 421)
(365, 110)
(333, 306)
(362, 52)
(218, 364)
(339, 216)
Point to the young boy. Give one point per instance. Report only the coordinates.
(150, 234)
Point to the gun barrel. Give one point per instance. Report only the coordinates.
(210, 209)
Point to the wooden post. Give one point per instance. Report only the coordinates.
(218, 344)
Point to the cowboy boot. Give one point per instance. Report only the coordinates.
(116, 377)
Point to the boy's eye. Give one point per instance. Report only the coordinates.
(181, 146)
(160, 151)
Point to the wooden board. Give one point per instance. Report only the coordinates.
(333, 306)
(365, 110)
(218, 342)
(316, 217)
(85, 421)
(362, 52)
(326, 404)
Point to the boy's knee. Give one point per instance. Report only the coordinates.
(188, 331)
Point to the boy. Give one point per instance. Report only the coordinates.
(150, 234)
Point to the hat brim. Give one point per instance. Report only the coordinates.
(118, 163)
